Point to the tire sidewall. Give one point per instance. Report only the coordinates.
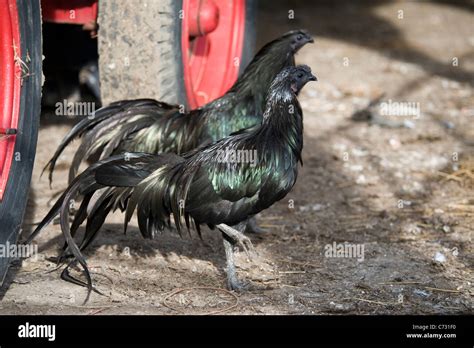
(13, 205)
(250, 35)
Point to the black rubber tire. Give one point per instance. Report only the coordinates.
(12, 207)
(140, 52)
(250, 42)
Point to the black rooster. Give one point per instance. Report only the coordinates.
(150, 126)
(211, 185)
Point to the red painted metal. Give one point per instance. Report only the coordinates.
(211, 62)
(10, 84)
(70, 11)
(203, 17)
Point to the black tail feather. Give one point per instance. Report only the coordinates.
(77, 131)
(100, 196)
(108, 117)
(96, 219)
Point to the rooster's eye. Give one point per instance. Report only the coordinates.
(300, 75)
(299, 37)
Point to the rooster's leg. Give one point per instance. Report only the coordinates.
(238, 237)
(233, 282)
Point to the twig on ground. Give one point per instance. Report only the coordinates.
(448, 177)
(97, 311)
(177, 291)
(400, 283)
(442, 290)
(423, 286)
(292, 272)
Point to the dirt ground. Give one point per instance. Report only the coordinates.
(401, 187)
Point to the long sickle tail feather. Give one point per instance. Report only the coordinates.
(112, 182)
(107, 117)
(105, 141)
(86, 185)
